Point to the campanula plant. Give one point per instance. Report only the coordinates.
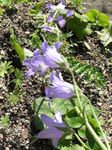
(74, 118)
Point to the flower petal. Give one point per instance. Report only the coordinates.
(57, 45)
(61, 21)
(45, 46)
(50, 133)
(47, 29)
(29, 73)
(69, 13)
(50, 6)
(50, 17)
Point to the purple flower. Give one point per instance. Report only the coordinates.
(52, 132)
(35, 64)
(60, 88)
(60, 8)
(61, 21)
(47, 29)
(51, 57)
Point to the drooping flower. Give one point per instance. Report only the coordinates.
(35, 64)
(48, 29)
(61, 21)
(60, 88)
(59, 8)
(51, 57)
(52, 132)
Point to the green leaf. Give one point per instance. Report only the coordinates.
(73, 147)
(82, 132)
(38, 123)
(79, 24)
(98, 18)
(90, 74)
(5, 67)
(5, 121)
(105, 37)
(13, 98)
(74, 122)
(15, 44)
(1, 11)
(6, 2)
(37, 8)
(44, 109)
(76, 2)
(59, 104)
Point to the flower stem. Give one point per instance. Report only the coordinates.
(83, 144)
(76, 89)
(39, 106)
(95, 136)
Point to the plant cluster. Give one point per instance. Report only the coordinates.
(65, 115)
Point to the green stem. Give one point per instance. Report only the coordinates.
(39, 106)
(94, 114)
(97, 139)
(83, 144)
(55, 14)
(76, 89)
(103, 134)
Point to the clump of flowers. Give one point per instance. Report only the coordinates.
(74, 105)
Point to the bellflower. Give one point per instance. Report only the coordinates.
(48, 29)
(60, 88)
(52, 132)
(51, 57)
(35, 64)
(59, 8)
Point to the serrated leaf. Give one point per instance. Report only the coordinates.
(89, 73)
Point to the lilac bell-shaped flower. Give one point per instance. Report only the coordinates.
(60, 7)
(51, 57)
(60, 88)
(52, 132)
(35, 64)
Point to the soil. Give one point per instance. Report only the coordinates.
(21, 134)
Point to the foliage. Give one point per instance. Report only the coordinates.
(36, 8)
(79, 25)
(98, 18)
(15, 44)
(5, 121)
(87, 72)
(64, 111)
(5, 68)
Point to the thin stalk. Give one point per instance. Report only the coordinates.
(83, 144)
(76, 89)
(39, 106)
(101, 130)
(55, 14)
(103, 134)
(97, 139)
